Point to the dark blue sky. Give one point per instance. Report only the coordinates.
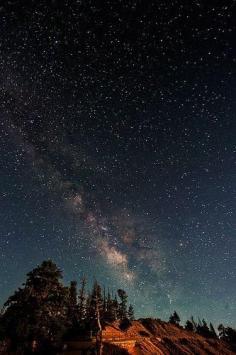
(118, 149)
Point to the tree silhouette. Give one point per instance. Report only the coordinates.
(228, 335)
(189, 326)
(115, 308)
(73, 309)
(110, 312)
(131, 312)
(203, 329)
(82, 301)
(174, 318)
(194, 324)
(123, 304)
(73, 294)
(212, 331)
(95, 307)
(222, 333)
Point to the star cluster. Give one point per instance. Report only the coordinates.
(118, 148)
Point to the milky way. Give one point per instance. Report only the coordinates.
(118, 149)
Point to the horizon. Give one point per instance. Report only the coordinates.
(118, 149)
(113, 291)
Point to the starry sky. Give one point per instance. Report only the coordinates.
(118, 149)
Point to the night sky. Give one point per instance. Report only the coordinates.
(118, 149)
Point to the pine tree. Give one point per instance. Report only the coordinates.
(200, 322)
(131, 313)
(82, 301)
(194, 324)
(228, 334)
(123, 304)
(104, 308)
(222, 332)
(110, 314)
(213, 332)
(203, 329)
(86, 321)
(189, 326)
(95, 307)
(73, 309)
(115, 308)
(230, 337)
(73, 294)
(174, 318)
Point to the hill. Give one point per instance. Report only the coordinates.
(151, 336)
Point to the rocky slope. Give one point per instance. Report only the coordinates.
(161, 338)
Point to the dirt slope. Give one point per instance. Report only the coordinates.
(161, 338)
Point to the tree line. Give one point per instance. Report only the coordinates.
(40, 314)
(201, 327)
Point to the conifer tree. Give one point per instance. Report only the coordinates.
(199, 323)
(230, 337)
(189, 326)
(82, 301)
(73, 294)
(194, 324)
(104, 309)
(95, 306)
(109, 315)
(123, 304)
(115, 308)
(174, 318)
(131, 312)
(222, 333)
(73, 309)
(203, 329)
(213, 332)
